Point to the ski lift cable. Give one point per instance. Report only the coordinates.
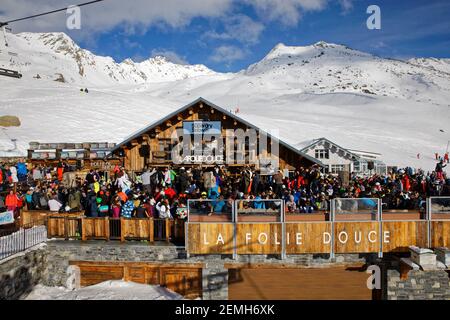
(2, 24)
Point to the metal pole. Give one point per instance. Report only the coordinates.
(428, 217)
(283, 231)
(235, 219)
(380, 222)
(332, 217)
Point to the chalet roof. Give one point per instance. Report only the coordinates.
(220, 109)
(304, 145)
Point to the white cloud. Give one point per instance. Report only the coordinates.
(346, 4)
(288, 12)
(228, 54)
(133, 15)
(239, 27)
(170, 55)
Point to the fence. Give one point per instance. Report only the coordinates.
(17, 239)
(145, 229)
(352, 226)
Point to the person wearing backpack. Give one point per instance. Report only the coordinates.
(43, 201)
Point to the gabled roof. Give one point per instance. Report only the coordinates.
(303, 146)
(220, 109)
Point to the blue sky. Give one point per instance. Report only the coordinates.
(229, 35)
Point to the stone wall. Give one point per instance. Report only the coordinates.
(61, 252)
(21, 272)
(420, 285)
(48, 264)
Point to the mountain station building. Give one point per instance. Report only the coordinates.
(337, 159)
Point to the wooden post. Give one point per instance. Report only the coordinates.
(83, 230)
(122, 229)
(126, 273)
(66, 228)
(152, 230)
(168, 230)
(48, 229)
(107, 228)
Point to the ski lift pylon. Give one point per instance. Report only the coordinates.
(4, 35)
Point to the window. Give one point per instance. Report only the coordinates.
(360, 166)
(335, 168)
(322, 154)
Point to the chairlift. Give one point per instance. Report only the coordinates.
(4, 28)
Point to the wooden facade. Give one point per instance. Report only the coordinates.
(83, 156)
(153, 145)
(183, 278)
(316, 237)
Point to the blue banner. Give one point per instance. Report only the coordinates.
(202, 127)
(6, 217)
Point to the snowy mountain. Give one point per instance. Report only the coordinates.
(397, 108)
(56, 56)
(442, 65)
(325, 67)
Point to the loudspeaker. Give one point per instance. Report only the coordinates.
(144, 151)
(370, 165)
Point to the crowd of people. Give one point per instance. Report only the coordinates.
(163, 192)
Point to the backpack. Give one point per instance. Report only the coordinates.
(43, 202)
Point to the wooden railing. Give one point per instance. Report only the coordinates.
(123, 229)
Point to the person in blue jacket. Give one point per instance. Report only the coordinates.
(21, 171)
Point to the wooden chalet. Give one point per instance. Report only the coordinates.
(152, 146)
(83, 156)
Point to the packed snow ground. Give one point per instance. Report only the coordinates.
(108, 290)
(362, 102)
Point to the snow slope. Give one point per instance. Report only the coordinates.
(396, 108)
(108, 290)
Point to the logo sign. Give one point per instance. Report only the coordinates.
(202, 127)
(203, 159)
(6, 217)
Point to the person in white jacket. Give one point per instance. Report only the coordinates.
(13, 171)
(163, 209)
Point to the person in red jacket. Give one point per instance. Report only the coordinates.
(406, 183)
(170, 193)
(11, 201)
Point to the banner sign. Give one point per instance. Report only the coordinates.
(6, 217)
(313, 237)
(202, 127)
